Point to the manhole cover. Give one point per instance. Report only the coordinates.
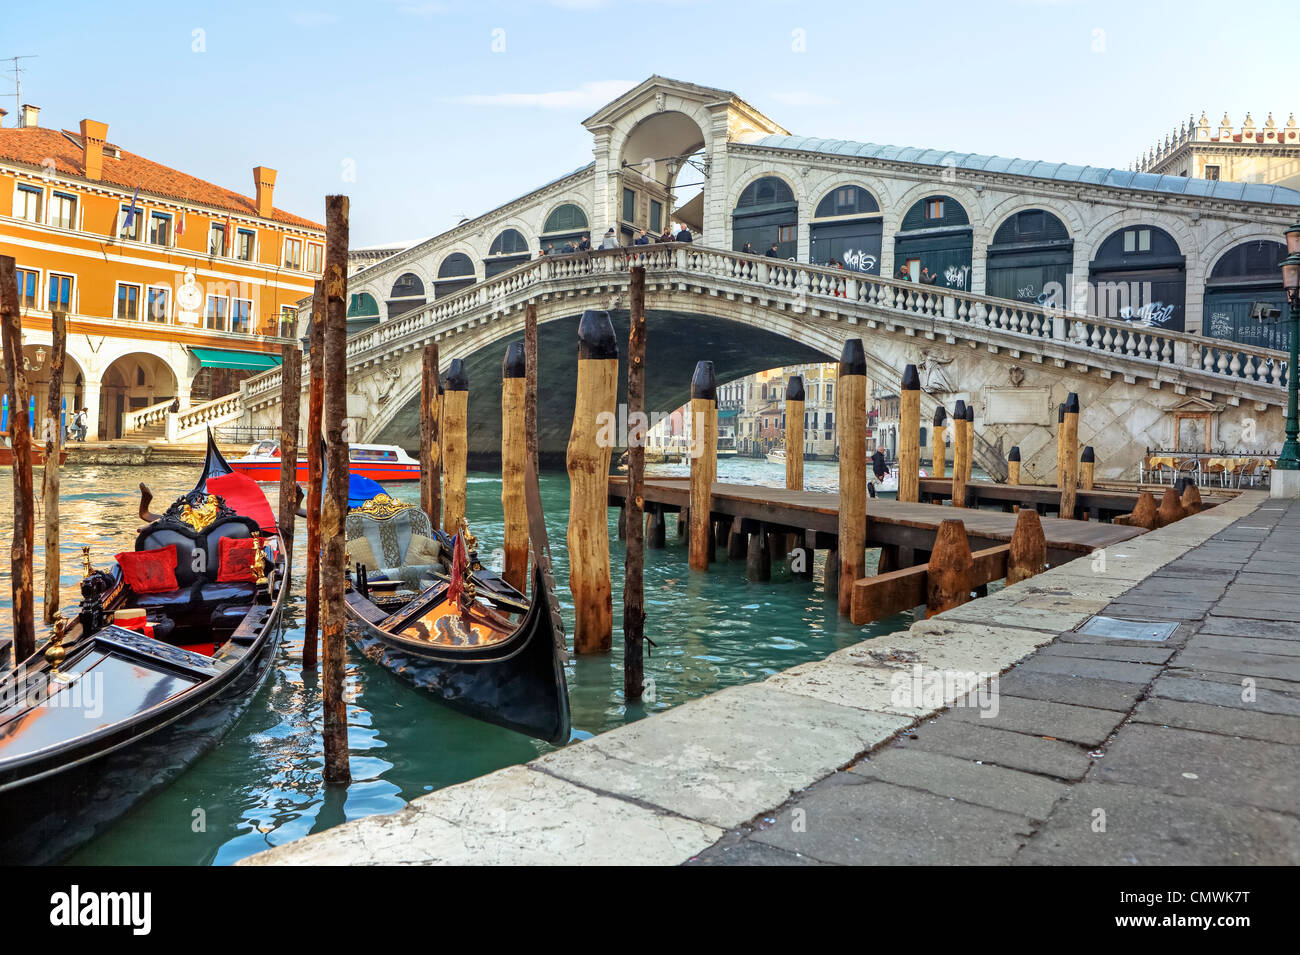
(1113, 628)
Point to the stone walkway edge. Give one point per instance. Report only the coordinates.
(663, 789)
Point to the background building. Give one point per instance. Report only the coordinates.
(175, 289)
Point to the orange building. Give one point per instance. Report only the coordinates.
(176, 289)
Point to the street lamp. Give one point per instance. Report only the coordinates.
(1290, 458)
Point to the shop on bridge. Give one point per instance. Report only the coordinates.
(566, 224)
(766, 213)
(363, 311)
(935, 241)
(455, 273)
(1139, 275)
(1244, 301)
(407, 294)
(847, 227)
(508, 249)
(1030, 259)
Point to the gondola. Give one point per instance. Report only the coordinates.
(149, 672)
(424, 607)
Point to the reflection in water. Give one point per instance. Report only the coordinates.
(262, 786)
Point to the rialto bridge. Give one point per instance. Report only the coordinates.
(1046, 278)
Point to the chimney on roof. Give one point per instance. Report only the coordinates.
(93, 136)
(27, 116)
(3, 113)
(264, 177)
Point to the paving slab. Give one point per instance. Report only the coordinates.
(1184, 762)
(1132, 608)
(944, 643)
(1236, 680)
(724, 758)
(515, 816)
(1224, 720)
(1021, 615)
(1087, 726)
(875, 823)
(1023, 794)
(1127, 652)
(975, 740)
(1215, 641)
(1148, 828)
(880, 688)
(1140, 673)
(1247, 626)
(746, 851)
(1100, 694)
(1272, 665)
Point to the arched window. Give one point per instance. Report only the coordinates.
(1139, 275)
(1244, 301)
(766, 214)
(510, 242)
(766, 191)
(363, 305)
(408, 284)
(565, 218)
(933, 244)
(1030, 259)
(847, 201)
(455, 273)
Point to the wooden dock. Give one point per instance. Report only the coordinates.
(906, 530)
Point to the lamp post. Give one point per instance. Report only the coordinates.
(1290, 457)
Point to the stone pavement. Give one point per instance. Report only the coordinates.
(1099, 751)
(861, 757)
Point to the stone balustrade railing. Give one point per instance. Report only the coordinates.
(148, 417)
(1095, 340)
(192, 423)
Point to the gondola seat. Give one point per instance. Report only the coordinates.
(394, 541)
(198, 522)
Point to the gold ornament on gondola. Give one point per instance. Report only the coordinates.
(381, 507)
(259, 561)
(55, 652)
(85, 561)
(201, 517)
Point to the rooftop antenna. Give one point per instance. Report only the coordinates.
(18, 72)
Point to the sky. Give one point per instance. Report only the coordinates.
(425, 111)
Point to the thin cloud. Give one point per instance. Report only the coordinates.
(586, 96)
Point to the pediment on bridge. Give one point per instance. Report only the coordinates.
(1194, 405)
(661, 93)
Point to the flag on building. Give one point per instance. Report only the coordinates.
(180, 224)
(132, 211)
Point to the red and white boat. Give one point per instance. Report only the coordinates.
(379, 462)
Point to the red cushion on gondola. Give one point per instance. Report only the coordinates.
(149, 571)
(243, 496)
(236, 560)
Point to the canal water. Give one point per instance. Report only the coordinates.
(262, 785)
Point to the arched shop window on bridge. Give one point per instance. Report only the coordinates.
(1030, 259)
(1139, 275)
(766, 212)
(363, 311)
(847, 228)
(508, 249)
(934, 244)
(1244, 301)
(407, 294)
(455, 273)
(566, 223)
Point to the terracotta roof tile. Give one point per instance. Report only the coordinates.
(33, 146)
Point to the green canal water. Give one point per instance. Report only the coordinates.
(262, 785)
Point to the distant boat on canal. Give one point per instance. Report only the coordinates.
(379, 462)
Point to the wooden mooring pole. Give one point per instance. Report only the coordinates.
(1069, 478)
(970, 441)
(634, 561)
(430, 436)
(1087, 464)
(794, 411)
(530, 390)
(1028, 547)
(514, 460)
(315, 475)
(1060, 442)
(20, 438)
(951, 569)
(851, 401)
(959, 425)
(290, 408)
(1013, 465)
(587, 459)
(336, 504)
(909, 436)
(938, 450)
(454, 426)
(53, 434)
(704, 463)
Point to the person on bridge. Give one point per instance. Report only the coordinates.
(772, 253)
(928, 277)
(585, 244)
(903, 273)
(568, 248)
(684, 235)
(666, 237)
(748, 248)
(609, 242)
(642, 239)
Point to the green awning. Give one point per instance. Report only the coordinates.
(248, 360)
